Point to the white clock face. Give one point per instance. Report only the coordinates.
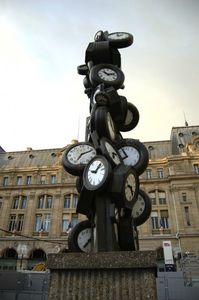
(107, 74)
(118, 35)
(111, 126)
(81, 154)
(130, 155)
(84, 240)
(113, 154)
(129, 117)
(130, 187)
(138, 207)
(96, 172)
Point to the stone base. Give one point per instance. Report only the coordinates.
(104, 275)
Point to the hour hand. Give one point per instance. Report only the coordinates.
(83, 154)
(131, 189)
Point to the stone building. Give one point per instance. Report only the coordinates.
(38, 200)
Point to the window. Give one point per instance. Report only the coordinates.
(45, 201)
(160, 172)
(19, 180)
(23, 202)
(40, 202)
(20, 222)
(65, 223)
(43, 179)
(46, 222)
(53, 179)
(74, 220)
(12, 223)
(75, 200)
(28, 180)
(187, 217)
(42, 222)
(160, 219)
(164, 219)
(152, 197)
(184, 197)
(67, 201)
(196, 168)
(5, 181)
(49, 201)
(16, 222)
(162, 197)
(148, 173)
(15, 202)
(154, 220)
(38, 222)
(19, 202)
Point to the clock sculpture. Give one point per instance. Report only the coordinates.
(107, 166)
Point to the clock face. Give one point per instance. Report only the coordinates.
(131, 119)
(77, 156)
(118, 35)
(138, 207)
(111, 126)
(112, 153)
(81, 154)
(142, 208)
(107, 74)
(130, 187)
(84, 240)
(134, 154)
(130, 155)
(96, 173)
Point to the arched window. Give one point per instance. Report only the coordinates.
(38, 254)
(10, 253)
(44, 201)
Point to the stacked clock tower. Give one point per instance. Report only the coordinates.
(107, 165)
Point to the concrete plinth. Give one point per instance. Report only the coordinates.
(104, 275)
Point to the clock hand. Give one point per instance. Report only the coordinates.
(95, 171)
(83, 154)
(109, 73)
(98, 167)
(114, 154)
(130, 187)
(85, 245)
(125, 155)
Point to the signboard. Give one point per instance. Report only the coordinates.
(168, 254)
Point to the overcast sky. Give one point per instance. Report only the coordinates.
(42, 100)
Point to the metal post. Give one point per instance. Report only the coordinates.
(105, 234)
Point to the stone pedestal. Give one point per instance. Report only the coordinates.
(104, 275)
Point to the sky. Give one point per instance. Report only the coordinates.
(42, 100)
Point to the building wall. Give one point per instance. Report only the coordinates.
(172, 175)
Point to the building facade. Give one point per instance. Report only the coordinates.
(38, 200)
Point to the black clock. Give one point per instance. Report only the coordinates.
(80, 237)
(97, 174)
(102, 122)
(120, 39)
(76, 157)
(142, 208)
(124, 186)
(82, 70)
(108, 74)
(134, 154)
(109, 150)
(131, 119)
(85, 202)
